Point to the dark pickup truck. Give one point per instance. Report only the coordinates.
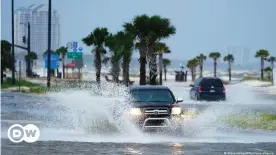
(153, 107)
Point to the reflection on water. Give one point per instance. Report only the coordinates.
(130, 150)
(177, 148)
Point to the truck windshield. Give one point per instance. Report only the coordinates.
(150, 95)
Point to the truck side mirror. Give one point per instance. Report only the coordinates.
(179, 100)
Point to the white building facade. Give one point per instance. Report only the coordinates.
(37, 16)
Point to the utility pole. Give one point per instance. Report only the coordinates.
(29, 50)
(49, 44)
(13, 59)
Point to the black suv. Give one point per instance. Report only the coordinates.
(208, 88)
(153, 106)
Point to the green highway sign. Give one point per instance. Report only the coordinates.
(74, 55)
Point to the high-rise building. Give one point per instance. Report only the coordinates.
(37, 16)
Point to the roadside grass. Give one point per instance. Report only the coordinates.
(251, 121)
(250, 78)
(23, 83)
(29, 87)
(25, 86)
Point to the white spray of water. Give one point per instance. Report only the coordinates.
(93, 120)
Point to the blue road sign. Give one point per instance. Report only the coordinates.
(75, 44)
(54, 61)
(75, 50)
(80, 49)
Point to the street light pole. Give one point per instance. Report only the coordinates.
(49, 44)
(29, 50)
(13, 59)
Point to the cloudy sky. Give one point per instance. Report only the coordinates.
(202, 26)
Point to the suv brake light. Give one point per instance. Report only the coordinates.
(224, 89)
(199, 89)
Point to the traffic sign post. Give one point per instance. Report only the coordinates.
(74, 55)
(54, 61)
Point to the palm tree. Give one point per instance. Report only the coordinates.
(161, 48)
(62, 52)
(32, 56)
(230, 59)
(262, 54)
(139, 29)
(272, 60)
(201, 59)
(192, 64)
(97, 39)
(166, 62)
(6, 57)
(215, 56)
(160, 28)
(113, 43)
(148, 31)
(268, 70)
(127, 47)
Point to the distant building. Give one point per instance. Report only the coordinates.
(37, 15)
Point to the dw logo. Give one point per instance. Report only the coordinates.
(29, 133)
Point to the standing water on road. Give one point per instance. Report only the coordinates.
(83, 115)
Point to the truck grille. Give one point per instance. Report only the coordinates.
(156, 111)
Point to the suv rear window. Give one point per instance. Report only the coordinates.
(211, 82)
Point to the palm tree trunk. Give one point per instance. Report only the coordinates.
(165, 72)
(115, 71)
(143, 63)
(98, 65)
(63, 69)
(153, 69)
(2, 76)
(215, 67)
(229, 70)
(262, 68)
(160, 67)
(201, 67)
(192, 73)
(272, 66)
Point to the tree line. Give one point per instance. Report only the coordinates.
(145, 34)
(199, 61)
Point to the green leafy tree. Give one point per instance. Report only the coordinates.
(215, 56)
(262, 54)
(32, 56)
(166, 63)
(6, 57)
(230, 59)
(192, 64)
(161, 48)
(201, 59)
(62, 53)
(97, 39)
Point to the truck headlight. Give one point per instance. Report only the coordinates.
(176, 111)
(135, 111)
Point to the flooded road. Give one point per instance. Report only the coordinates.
(75, 122)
